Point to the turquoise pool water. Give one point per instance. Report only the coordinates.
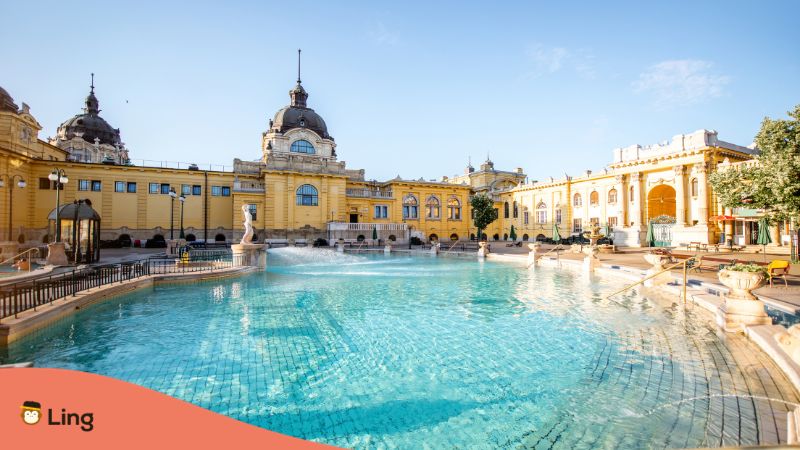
(401, 352)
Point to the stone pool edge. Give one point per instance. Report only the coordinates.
(13, 329)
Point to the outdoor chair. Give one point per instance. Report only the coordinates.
(518, 244)
(778, 269)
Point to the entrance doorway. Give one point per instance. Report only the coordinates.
(353, 218)
(661, 212)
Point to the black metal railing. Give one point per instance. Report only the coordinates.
(30, 294)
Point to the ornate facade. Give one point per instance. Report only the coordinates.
(301, 190)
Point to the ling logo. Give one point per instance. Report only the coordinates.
(31, 412)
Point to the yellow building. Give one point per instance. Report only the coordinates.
(298, 191)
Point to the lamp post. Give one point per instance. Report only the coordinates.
(60, 178)
(182, 199)
(172, 195)
(21, 183)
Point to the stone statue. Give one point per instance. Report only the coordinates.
(248, 225)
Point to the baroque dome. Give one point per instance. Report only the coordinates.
(298, 115)
(90, 124)
(7, 102)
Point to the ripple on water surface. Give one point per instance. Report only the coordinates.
(362, 351)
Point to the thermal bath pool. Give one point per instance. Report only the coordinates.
(406, 352)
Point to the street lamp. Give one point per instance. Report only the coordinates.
(60, 178)
(182, 199)
(172, 195)
(21, 183)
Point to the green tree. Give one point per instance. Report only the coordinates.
(773, 182)
(512, 234)
(484, 212)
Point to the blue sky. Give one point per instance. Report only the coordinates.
(409, 88)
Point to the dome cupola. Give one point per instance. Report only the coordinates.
(89, 126)
(298, 114)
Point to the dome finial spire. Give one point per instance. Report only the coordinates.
(298, 65)
(92, 85)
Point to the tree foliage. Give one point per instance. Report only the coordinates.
(485, 214)
(773, 183)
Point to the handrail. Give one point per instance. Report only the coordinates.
(683, 263)
(554, 249)
(451, 247)
(34, 249)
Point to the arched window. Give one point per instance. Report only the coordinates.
(219, 238)
(541, 212)
(453, 237)
(453, 208)
(631, 194)
(307, 195)
(505, 210)
(410, 207)
(612, 196)
(577, 200)
(302, 146)
(516, 210)
(594, 198)
(694, 187)
(432, 207)
(525, 237)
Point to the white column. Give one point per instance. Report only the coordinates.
(680, 196)
(622, 200)
(700, 170)
(636, 205)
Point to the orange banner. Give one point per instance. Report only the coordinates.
(57, 408)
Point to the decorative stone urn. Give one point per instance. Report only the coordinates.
(741, 284)
(658, 263)
(483, 249)
(789, 342)
(741, 308)
(340, 245)
(533, 256)
(56, 254)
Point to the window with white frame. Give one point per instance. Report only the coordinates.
(432, 207)
(577, 227)
(410, 207)
(454, 208)
(381, 212)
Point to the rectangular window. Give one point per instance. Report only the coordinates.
(197, 189)
(576, 226)
(612, 222)
(594, 221)
(226, 191)
(186, 189)
(164, 188)
(558, 216)
(132, 187)
(45, 183)
(96, 185)
(154, 188)
(216, 191)
(84, 185)
(525, 218)
(381, 211)
(253, 211)
(541, 216)
(119, 186)
(410, 212)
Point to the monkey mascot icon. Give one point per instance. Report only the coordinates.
(31, 412)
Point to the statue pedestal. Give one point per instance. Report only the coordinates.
(56, 255)
(387, 249)
(591, 261)
(658, 262)
(735, 314)
(434, 249)
(252, 255)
